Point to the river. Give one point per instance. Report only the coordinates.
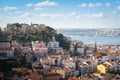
(99, 40)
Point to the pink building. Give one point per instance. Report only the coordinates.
(39, 48)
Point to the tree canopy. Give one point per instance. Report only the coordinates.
(41, 35)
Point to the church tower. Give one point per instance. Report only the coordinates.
(95, 47)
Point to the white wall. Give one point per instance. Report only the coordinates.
(80, 50)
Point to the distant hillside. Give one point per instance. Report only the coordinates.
(102, 32)
(26, 33)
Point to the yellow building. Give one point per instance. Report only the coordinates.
(101, 68)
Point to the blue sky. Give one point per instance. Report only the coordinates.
(62, 13)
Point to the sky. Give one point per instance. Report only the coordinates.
(62, 13)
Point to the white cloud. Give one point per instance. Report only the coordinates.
(97, 15)
(44, 15)
(40, 5)
(26, 14)
(77, 16)
(10, 8)
(50, 15)
(65, 17)
(114, 12)
(107, 4)
(83, 5)
(118, 7)
(18, 12)
(60, 16)
(94, 5)
(90, 5)
(29, 5)
(37, 9)
(72, 14)
(46, 3)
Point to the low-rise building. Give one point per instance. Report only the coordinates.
(46, 67)
(69, 62)
(103, 68)
(25, 50)
(53, 45)
(52, 76)
(6, 51)
(86, 67)
(66, 72)
(55, 59)
(39, 69)
(39, 48)
(115, 67)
